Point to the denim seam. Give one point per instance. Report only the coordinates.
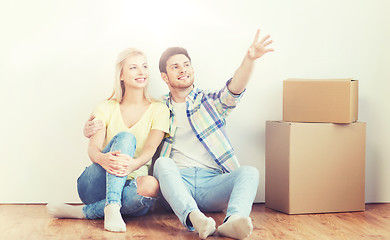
(113, 201)
(195, 183)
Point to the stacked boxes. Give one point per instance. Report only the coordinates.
(322, 100)
(315, 157)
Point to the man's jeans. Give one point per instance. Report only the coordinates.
(188, 189)
(97, 188)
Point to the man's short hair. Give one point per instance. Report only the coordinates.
(169, 53)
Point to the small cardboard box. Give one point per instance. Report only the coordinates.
(315, 167)
(320, 100)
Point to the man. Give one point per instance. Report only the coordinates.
(197, 169)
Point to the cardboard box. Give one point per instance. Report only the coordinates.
(320, 100)
(315, 167)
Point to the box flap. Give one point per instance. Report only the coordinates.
(278, 121)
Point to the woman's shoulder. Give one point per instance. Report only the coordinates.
(106, 109)
(159, 109)
(158, 105)
(108, 103)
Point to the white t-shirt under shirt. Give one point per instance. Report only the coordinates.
(187, 150)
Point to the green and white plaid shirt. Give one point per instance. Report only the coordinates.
(206, 111)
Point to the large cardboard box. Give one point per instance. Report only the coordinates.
(320, 100)
(315, 167)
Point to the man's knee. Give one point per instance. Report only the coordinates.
(249, 171)
(147, 186)
(163, 163)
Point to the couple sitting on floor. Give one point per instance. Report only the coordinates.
(197, 170)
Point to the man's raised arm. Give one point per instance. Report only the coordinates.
(243, 73)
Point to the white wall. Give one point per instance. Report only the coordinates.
(57, 57)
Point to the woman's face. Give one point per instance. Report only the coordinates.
(135, 72)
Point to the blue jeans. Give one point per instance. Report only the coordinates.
(97, 188)
(189, 189)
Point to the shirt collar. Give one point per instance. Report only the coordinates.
(191, 97)
(193, 94)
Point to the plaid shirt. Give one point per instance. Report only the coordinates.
(206, 112)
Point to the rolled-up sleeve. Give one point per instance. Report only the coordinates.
(225, 100)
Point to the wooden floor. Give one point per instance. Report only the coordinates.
(32, 222)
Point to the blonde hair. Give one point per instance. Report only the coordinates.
(119, 87)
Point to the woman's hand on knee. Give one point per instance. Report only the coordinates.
(123, 164)
(111, 164)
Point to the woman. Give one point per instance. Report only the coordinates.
(117, 182)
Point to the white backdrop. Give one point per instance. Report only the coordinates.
(57, 62)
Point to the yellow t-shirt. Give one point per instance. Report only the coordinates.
(155, 117)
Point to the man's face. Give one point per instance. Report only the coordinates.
(180, 74)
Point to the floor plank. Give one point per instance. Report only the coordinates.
(33, 222)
